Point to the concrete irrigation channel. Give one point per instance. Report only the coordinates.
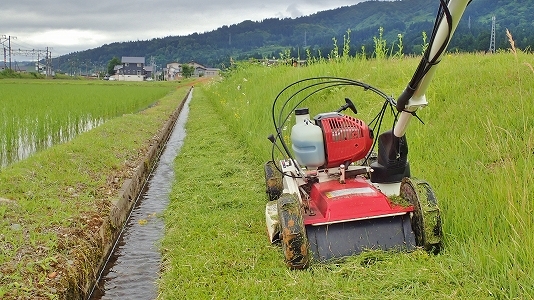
(131, 266)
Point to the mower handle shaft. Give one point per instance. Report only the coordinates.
(414, 98)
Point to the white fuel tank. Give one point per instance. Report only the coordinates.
(307, 140)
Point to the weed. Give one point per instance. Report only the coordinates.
(380, 45)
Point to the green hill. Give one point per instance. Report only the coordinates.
(270, 37)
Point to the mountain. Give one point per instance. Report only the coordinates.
(315, 33)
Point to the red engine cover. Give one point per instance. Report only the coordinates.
(346, 139)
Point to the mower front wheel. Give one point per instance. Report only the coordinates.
(292, 232)
(426, 219)
(273, 181)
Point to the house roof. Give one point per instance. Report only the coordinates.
(133, 60)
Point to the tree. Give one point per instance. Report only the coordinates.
(187, 70)
(112, 63)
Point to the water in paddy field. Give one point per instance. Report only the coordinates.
(133, 268)
(24, 142)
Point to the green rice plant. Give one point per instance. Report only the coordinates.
(36, 115)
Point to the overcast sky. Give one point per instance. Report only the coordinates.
(66, 26)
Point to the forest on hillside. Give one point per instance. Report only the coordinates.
(316, 34)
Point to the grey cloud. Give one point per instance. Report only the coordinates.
(135, 19)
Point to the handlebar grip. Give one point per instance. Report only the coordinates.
(404, 98)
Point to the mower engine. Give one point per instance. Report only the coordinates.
(331, 140)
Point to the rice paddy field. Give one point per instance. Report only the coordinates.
(36, 114)
(53, 203)
(475, 148)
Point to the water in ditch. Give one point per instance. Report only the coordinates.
(133, 267)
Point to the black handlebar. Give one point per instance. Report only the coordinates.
(348, 104)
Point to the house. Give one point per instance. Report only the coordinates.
(132, 69)
(201, 70)
(149, 71)
(174, 71)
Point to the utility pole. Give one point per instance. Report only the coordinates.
(469, 23)
(9, 48)
(48, 62)
(492, 38)
(3, 38)
(153, 64)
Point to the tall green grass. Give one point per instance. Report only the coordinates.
(476, 149)
(38, 114)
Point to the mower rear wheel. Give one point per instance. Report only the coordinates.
(426, 220)
(273, 181)
(292, 232)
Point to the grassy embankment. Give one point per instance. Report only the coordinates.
(53, 203)
(476, 150)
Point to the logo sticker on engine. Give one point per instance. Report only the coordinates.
(366, 191)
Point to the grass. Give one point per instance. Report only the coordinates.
(53, 203)
(476, 151)
(216, 246)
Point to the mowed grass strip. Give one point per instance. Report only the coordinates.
(216, 246)
(53, 203)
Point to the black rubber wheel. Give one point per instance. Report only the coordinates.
(273, 181)
(426, 220)
(292, 232)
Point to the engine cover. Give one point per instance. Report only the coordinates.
(346, 138)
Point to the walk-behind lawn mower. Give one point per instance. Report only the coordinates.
(332, 195)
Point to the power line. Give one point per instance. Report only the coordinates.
(9, 51)
(46, 54)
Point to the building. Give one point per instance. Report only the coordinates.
(131, 69)
(174, 71)
(149, 72)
